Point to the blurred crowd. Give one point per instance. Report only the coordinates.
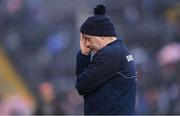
(41, 38)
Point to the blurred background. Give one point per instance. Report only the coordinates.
(39, 40)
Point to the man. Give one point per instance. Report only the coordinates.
(107, 81)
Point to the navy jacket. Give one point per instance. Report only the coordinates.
(107, 82)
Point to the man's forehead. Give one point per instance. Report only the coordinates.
(87, 35)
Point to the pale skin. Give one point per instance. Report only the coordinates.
(90, 43)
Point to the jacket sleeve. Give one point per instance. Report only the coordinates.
(96, 73)
(82, 62)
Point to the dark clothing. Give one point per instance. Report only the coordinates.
(108, 81)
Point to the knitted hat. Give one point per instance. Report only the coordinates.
(99, 24)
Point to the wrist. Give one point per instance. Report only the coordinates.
(85, 53)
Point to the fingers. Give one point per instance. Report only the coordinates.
(82, 39)
(84, 48)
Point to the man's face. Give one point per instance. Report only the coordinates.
(93, 42)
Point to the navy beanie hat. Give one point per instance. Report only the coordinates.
(99, 24)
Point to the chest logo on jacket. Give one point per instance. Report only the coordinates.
(129, 58)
